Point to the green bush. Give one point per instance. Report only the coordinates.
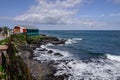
(3, 42)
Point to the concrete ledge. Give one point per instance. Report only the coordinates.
(3, 48)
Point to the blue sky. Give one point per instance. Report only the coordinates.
(61, 14)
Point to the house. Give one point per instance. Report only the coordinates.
(19, 29)
(29, 30)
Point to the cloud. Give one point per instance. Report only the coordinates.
(114, 15)
(56, 12)
(89, 22)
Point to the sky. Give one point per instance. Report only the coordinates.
(61, 14)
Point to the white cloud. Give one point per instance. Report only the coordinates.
(55, 12)
(50, 12)
(89, 22)
(114, 14)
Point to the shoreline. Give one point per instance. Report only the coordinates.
(47, 62)
(67, 68)
(39, 70)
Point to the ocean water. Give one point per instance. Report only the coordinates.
(89, 55)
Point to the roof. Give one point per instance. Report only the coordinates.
(27, 27)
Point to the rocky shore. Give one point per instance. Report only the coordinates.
(41, 70)
(43, 58)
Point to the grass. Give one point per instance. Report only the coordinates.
(2, 73)
(18, 39)
(34, 38)
(3, 42)
(17, 68)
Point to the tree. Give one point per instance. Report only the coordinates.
(0, 29)
(5, 29)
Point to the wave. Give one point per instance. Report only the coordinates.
(73, 40)
(78, 39)
(96, 69)
(49, 44)
(113, 57)
(45, 56)
(98, 66)
(104, 70)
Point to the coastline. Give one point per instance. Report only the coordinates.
(47, 61)
(39, 70)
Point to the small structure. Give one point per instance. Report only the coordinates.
(19, 29)
(30, 30)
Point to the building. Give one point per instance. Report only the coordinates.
(19, 29)
(30, 30)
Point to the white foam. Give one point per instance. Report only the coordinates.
(43, 46)
(100, 69)
(49, 44)
(113, 57)
(105, 70)
(79, 39)
(69, 41)
(43, 55)
(73, 40)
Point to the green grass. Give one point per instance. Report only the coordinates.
(1, 68)
(19, 37)
(3, 42)
(2, 73)
(17, 67)
(34, 38)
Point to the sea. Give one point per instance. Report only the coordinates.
(89, 54)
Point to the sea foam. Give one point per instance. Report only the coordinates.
(105, 70)
(76, 69)
(45, 56)
(113, 57)
(73, 40)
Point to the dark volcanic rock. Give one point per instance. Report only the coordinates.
(50, 51)
(42, 70)
(42, 34)
(58, 54)
(62, 77)
(58, 42)
(42, 49)
(53, 40)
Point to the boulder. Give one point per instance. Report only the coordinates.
(42, 34)
(42, 49)
(50, 51)
(53, 40)
(58, 54)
